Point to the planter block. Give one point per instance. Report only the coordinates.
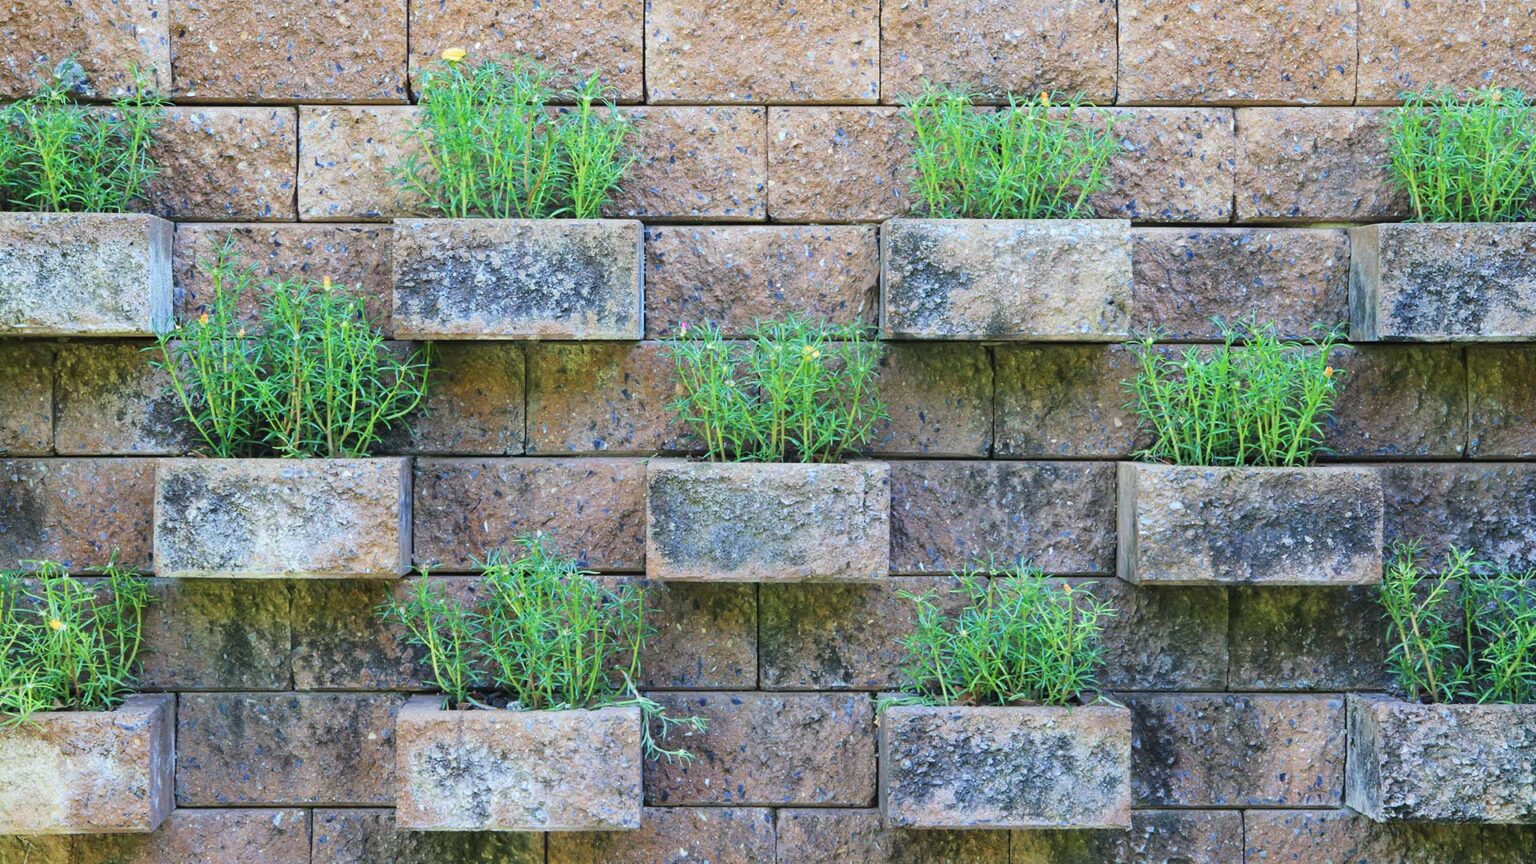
(1443, 282)
(1027, 767)
(90, 772)
(1441, 763)
(767, 522)
(518, 279)
(1188, 525)
(1034, 280)
(84, 274)
(516, 770)
(278, 518)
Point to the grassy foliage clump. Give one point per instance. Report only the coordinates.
(1465, 160)
(544, 635)
(1022, 639)
(314, 378)
(1465, 634)
(68, 644)
(793, 391)
(1262, 402)
(488, 144)
(1034, 160)
(57, 156)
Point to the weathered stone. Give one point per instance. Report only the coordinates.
(705, 636)
(696, 163)
(939, 396)
(77, 512)
(1019, 767)
(591, 509)
(836, 836)
(734, 276)
(1199, 837)
(89, 772)
(1193, 525)
(1159, 639)
(995, 48)
(1314, 165)
(110, 400)
(26, 414)
(675, 835)
(244, 518)
(1186, 278)
(1502, 418)
(84, 274)
(947, 514)
(571, 38)
(1441, 763)
(1231, 749)
(1021, 280)
(367, 836)
(1399, 401)
(516, 770)
(1488, 508)
(285, 749)
(1063, 401)
(838, 164)
(217, 634)
(608, 398)
(1237, 53)
(205, 836)
(1312, 638)
(1439, 283)
(475, 402)
(1342, 837)
(109, 39)
(347, 161)
(518, 279)
(1459, 45)
(755, 522)
(768, 749)
(225, 163)
(332, 51)
(1174, 165)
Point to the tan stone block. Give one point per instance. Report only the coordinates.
(696, 164)
(1340, 836)
(348, 156)
(475, 402)
(1483, 506)
(225, 163)
(107, 38)
(26, 415)
(78, 512)
(1189, 837)
(939, 396)
(111, 401)
(1174, 165)
(1314, 165)
(833, 835)
(1398, 401)
(84, 274)
(207, 837)
(1063, 401)
(608, 398)
(1503, 402)
(838, 164)
(675, 835)
(369, 836)
(218, 634)
(1409, 46)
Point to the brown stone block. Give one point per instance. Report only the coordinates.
(107, 38)
(1340, 836)
(367, 836)
(1399, 401)
(833, 836)
(26, 415)
(217, 634)
(1314, 165)
(78, 512)
(1488, 508)
(939, 396)
(1409, 46)
(1198, 837)
(1063, 401)
(675, 835)
(1311, 638)
(110, 400)
(207, 837)
(225, 163)
(1502, 384)
(609, 398)
(1161, 639)
(475, 402)
(1174, 165)
(348, 156)
(838, 164)
(696, 164)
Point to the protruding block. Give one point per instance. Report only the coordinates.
(1035, 280)
(1200, 525)
(518, 279)
(84, 274)
(490, 770)
(282, 518)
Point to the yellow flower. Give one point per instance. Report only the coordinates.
(1045, 99)
(454, 55)
(811, 353)
(240, 333)
(56, 624)
(203, 318)
(326, 283)
(1328, 372)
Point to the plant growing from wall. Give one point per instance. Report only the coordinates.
(544, 635)
(1465, 160)
(488, 143)
(68, 644)
(1031, 160)
(314, 377)
(794, 390)
(1465, 634)
(1262, 402)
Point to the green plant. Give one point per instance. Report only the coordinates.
(794, 390)
(1469, 160)
(544, 636)
(1465, 634)
(1262, 402)
(1021, 639)
(487, 143)
(59, 156)
(1035, 160)
(68, 644)
(315, 378)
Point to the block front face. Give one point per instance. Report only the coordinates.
(84, 274)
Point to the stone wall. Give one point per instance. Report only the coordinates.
(771, 147)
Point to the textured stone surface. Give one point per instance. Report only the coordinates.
(89, 772)
(107, 38)
(218, 634)
(767, 522)
(26, 415)
(1162, 639)
(110, 400)
(78, 512)
(1489, 507)
(1311, 638)
(1441, 763)
(838, 164)
(1063, 401)
(347, 161)
(1024, 767)
(328, 51)
(1502, 418)
(518, 279)
(1025, 280)
(1237, 53)
(285, 749)
(1342, 837)
(1164, 836)
(366, 836)
(675, 835)
(225, 163)
(705, 636)
(1438, 283)
(84, 274)
(761, 749)
(698, 51)
(1174, 165)
(1398, 401)
(834, 836)
(282, 517)
(592, 509)
(1313, 165)
(205, 836)
(999, 47)
(475, 402)
(609, 398)
(1233, 749)
(1294, 278)
(1459, 45)
(733, 276)
(696, 163)
(1192, 525)
(516, 770)
(939, 396)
